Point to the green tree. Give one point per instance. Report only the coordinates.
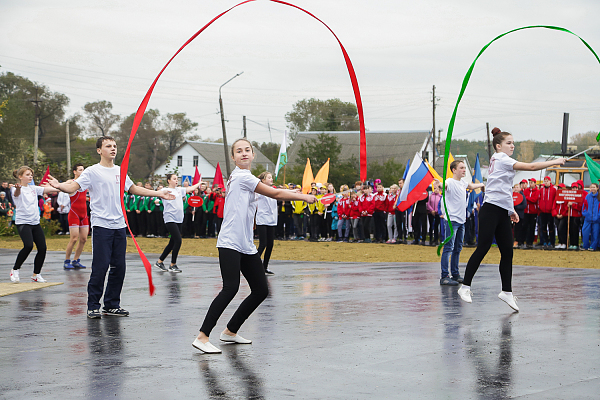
(584, 140)
(388, 172)
(100, 119)
(270, 150)
(322, 115)
(176, 127)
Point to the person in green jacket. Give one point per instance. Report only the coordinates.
(131, 207)
(208, 206)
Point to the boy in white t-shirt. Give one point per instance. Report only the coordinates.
(456, 206)
(109, 240)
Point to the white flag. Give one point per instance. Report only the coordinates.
(282, 159)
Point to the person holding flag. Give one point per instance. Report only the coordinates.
(498, 211)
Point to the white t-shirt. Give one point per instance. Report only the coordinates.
(498, 190)
(105, 197)
(266, 212)
(238, 214)
(173, 211)
(456, 200)
(65, 201)
(28, 209)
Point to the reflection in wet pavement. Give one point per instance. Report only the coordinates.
(336, 331)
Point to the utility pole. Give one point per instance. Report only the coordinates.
(68, 150)
(487, 128)
(223, 125)
(270, 136)
(433, 130)
(244, 120)
(439, 141)
(37, 127)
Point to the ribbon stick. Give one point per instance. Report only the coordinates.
(462, 91)
(142, 108)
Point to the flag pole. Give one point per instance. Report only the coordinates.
(284, 174)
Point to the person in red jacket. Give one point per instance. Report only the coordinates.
(353, 212)
(546, 203)
(366, 211)
(575, 214)
(218, 208)
(560, 211)
(379, 217)
(532, 195)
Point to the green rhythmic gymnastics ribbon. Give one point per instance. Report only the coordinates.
(462, 91)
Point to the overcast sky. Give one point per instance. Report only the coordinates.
(112, 50)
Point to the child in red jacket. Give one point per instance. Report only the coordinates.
(379, 217)
(575, 214)
(560, 211)
(545, 203)
(532, 195)
(367, 207)
(353, 211)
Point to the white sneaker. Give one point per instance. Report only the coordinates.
(234, 339)
(509, 299)
(38, 278)
(465, 293)
(206, 347)
(14, 275)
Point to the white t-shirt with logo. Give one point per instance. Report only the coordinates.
(105, 197)
(238, 214)
(266, 212)
(173, 211)
(498, 189)
(456, 200)
(28, 209)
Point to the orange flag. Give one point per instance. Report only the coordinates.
(308, 177)
(323, 173)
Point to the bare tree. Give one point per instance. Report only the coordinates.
(100, 118)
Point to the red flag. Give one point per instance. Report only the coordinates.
(197, 176)
(45, 178)
(218, 179)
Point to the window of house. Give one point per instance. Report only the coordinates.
(180, 161)
(195, 161)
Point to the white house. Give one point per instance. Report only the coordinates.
(205, 155)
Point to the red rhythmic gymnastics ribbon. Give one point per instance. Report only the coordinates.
(462, 91)
(142, 108)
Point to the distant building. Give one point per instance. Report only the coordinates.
(205, 155)
(381, 145)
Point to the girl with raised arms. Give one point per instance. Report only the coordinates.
(498, 212)
(173, 217)
(237, 252)
(27, 220)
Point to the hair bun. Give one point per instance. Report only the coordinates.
(496, 131)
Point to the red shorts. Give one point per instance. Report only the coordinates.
(75, 221)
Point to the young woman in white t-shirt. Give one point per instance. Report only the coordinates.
(266, 222)
(237, 252)
(498, 212)
(27, 220)
(173, 217)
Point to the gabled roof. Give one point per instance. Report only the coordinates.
(381, 145)
(213, 153)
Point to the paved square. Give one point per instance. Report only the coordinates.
(327, 330)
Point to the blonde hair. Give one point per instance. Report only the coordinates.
(18, 173)
(394, 186)
(245, 140)
(343, 188)
(263, 175)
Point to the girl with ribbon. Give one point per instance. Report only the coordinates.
(237, 252)
(498, 212)
(27, 220)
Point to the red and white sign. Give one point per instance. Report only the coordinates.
(576, 196)
(517, 198)
(327, 199)
(195, 201)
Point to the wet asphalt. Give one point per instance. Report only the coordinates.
(326, 331)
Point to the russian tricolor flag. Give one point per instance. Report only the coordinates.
(416, 182)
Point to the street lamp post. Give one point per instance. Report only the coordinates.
(223, 125)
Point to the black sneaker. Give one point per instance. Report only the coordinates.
(94, 314)
(117, 312)
(457, 279)
(161, 266)
(269, 272)
(448, 282)
(174, 268)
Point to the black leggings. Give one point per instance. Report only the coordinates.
(231, 263)
(175, 242)
(31, 234)
(497, 224)
(266, 238)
